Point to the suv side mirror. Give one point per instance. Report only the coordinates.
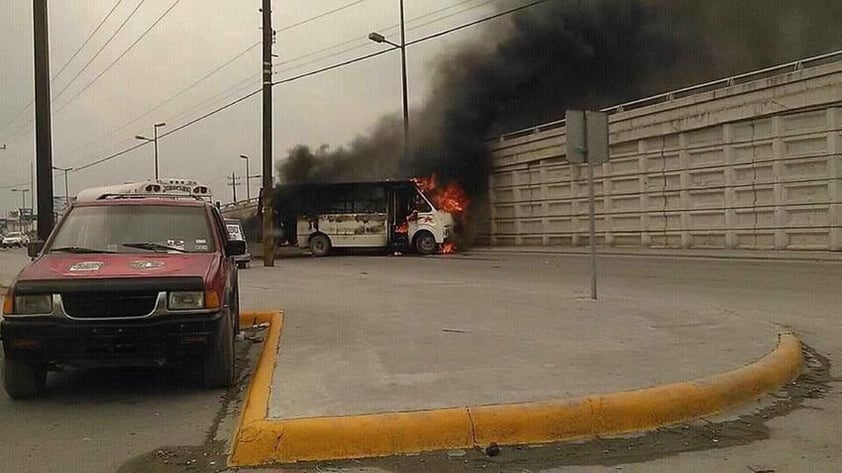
(235, 247)
(33, 249)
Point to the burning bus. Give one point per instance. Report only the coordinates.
(400, 215)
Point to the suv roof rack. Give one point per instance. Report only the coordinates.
(161, 189)
(153, 195)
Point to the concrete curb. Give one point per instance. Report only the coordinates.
(261, 441)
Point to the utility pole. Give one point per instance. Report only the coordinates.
(233, 182)
(43, 126)
(268, 214)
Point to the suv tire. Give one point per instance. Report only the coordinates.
(23, 380)
(218, 365)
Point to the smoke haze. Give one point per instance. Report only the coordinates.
(565, 54)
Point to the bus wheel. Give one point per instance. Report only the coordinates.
(319, 245)
(425, 243)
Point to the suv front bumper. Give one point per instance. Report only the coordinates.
(157, 341)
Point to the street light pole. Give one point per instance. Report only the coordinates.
(248, 186)
(154, 141)
(66, 187)
(405, 95)
(155, 128)
(379, 38)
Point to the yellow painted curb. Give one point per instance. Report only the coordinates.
(260, 441)
(633, 411)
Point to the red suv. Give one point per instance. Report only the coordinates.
(125, 281)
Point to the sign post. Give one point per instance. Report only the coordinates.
(587, 143)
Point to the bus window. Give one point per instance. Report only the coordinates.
(337, 200)
(421, 204)
(378, 196)
(369, 199)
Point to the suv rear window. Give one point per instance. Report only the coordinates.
(110, 227)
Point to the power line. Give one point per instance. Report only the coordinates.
(174, 130)
(319, 16)
(170, 98)
(411, 43)
(242, 82)
(100, 50)
(366, 42)
(67, 63)
(197, 82)
(111, 156)
(88, 39)
(476, 22)
(224, 95)
(451, 15)
(311, 73)
(26, 127)
(158, 20)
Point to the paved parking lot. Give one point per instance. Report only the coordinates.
(369, 333)
(374, 334)
(348, 348)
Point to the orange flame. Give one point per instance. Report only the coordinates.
(450, 198)
(448, 248)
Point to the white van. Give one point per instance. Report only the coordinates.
(385, 214)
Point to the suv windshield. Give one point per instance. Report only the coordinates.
(133, 229)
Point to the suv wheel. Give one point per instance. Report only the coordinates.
(23, 380)
(218, 365)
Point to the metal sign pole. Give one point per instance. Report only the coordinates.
(592, 223)
(587, 143)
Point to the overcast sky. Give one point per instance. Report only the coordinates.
(196, 37)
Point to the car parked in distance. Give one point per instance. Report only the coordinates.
(15, 239)
(235, 233)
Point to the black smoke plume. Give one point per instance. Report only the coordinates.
(531, 67)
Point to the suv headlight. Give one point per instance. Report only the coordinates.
(33, 304)
(186, 300)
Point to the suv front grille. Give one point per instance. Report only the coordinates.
(93, 305)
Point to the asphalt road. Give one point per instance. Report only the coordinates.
(150, 421)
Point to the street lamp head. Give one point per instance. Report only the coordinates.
(244, 156)
(377, 37)
(139, 137)
(159, 125)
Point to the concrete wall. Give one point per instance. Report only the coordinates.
(756, 165)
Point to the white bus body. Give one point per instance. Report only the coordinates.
(369, 215)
